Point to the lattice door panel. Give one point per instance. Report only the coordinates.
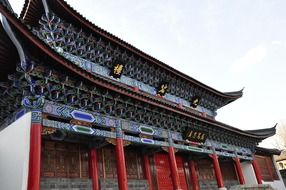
(64, 160)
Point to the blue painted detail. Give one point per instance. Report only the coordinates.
(82, 116)
(83, 129)
(20, 114)
(33, 102)
(147, 141)
(36, 117)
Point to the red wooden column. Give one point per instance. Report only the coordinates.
(120, 159)
(93, 168)
(239, 171)
(148, 171)
(35, 152)
(194, 177)
(217, 170)
(174, 169)
(257, 170)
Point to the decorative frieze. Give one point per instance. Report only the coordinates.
(108, 122)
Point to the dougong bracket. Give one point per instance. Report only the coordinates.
(35, 105)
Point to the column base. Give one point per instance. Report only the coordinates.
(222, 188)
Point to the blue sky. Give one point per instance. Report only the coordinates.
(225, 44)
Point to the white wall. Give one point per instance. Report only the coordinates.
(14, 154)
(248, 173)
(277, 184)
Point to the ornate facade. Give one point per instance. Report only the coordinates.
(106, 115)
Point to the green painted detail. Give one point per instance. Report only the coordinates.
(195, 149)
(82, 129)
(224, 146)
(146, 130)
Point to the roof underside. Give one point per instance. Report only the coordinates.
(33, 10)
(42, 48)
(8, 56)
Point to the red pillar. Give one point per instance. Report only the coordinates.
(174, 169)
(93, 169)
(239, 171)
(194, 177)
(35, 157)
(147, 171)
(257, 171)
(217, 171)
(121, 169)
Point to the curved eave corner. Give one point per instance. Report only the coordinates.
(235, 94)
(232, 96)
(267, 151)
(263, 133)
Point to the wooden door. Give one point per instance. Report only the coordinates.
(181, 171)
(163, 172)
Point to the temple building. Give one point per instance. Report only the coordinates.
(82, 109)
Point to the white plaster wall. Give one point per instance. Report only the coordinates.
(248, 173)
(277, 184)
(14, 154)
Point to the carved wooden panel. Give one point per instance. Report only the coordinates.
(64, 160)
(100, 163)
(73, 164)
(228, 170)
(108, 167)
(134, 164)
(84, 163)
(49, 158)
(205, 169)
(61, 164)
(131, 165)
(109, 159)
